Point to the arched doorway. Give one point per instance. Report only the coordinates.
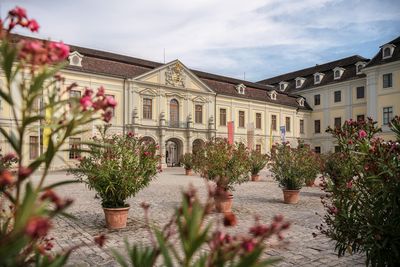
(174, 113)
(197, 145)
(173, 152)
(147, 139)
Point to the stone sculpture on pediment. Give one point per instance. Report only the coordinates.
(174, 75)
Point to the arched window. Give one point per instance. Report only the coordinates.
(174, 113)
(359, 68)
(386, 52)
(317, 79)
(337, 74)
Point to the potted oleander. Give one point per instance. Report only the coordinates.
(289, 169)
(187, 162)
(117, 167)
(225, 164)
(257, 163)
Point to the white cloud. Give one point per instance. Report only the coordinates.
(225, 36)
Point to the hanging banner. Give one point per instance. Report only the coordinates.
(283, 133)
(230, 132)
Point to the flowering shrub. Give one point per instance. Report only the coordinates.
(117, 167)
(225, 164)
(187, 161)
(292, 166)
(257, 161)
(191, 227)
(363, 193)
(30, 69)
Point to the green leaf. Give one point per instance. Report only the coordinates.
(163, 248)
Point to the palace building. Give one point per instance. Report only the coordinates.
(180, 108)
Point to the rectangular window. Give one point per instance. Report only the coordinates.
(258, 120)
(387, 115)
(74, 148)
(258, 148)
(302, 126)
(147, 108)
(317, 149)
(74, 94)
(338, 122)
(338, 96)
(113, 110)
(387, 80)
(317, 126)
(317, 100)
(360, 92)
(222, 117)
(287, 124)
(273, 122)
(33, 147)
(360, 117)
(198, 116)
(241, 119)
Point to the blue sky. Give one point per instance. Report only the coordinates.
(228, 37)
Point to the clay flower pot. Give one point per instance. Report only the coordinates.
(255, 177)
(291, 196)
(223, 201)
(188, 172)
(116, 217)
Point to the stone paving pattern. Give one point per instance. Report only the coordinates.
(263, 198)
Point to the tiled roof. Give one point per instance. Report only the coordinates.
(347, 63)
(378, 60)
(111, 64)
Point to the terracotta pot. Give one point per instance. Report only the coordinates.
(310, 183)
(188, 172)
(223, 201)
(291, 196)
(116, 217)
(255, 177)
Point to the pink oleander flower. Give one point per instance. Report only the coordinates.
(248, 245)
(111, 102)
(33, 25)
(37, 227)
(362, 134)
(107, 116)
(24, 172)
(86, 102)
(349, 184)
(6, 178)
(18, 12)
(100, 91)
(58, 51)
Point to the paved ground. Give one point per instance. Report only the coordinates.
(263, 198)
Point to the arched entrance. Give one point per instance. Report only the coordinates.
(197, 145)
(173, 152)
(147, 139)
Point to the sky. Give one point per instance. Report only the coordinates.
(245, 39)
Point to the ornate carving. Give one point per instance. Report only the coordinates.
(174, 75)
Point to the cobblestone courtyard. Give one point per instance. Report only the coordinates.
(263, 198)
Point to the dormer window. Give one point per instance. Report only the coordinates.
(283, 86)
(75, 59)
(318, 77)
(273, 94)
(299, 82)
(359, 66)
(241, 88)
(301, 101)
(387, 51)
(337, 73)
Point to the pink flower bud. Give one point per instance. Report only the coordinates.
(86, 102)
(33, 25)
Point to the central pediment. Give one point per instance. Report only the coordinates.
(174, 75)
